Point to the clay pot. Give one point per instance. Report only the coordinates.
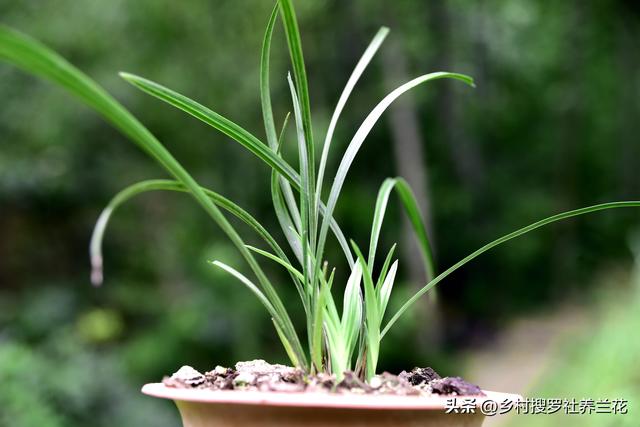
(206, 408)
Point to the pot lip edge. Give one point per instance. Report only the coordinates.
(318, 399)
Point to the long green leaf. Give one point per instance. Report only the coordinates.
(372, 316)
(305, 186)
(358, 139)
(330, 303)
(308, 212)
(267, 114)
(352, 311)
(294, 42)
(283, 262)
(267, 304)
(282, 196)
(287, 213)
(285, 186)
(335, 333)
(297, 277)
(317, 327)
(284, 218)
(362, 64)
(33, 57)
(95, 247)
(503, 239)
(237, 133)
(249, 284)
(210, 117)
(287, 345)
(385, 266)
(385, 289)
(265, 92)
(300, 74)
(413, 212)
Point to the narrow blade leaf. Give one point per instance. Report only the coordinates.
(412, 210)
(35, 58)
(265, 92)
(358, 140)
(299, 72)
(501, 240)
(215, 120)
(387, 286)
(362, 64)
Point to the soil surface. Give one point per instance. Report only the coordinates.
(259, 375)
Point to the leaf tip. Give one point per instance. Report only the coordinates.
(97, 276)
(131, 78)
(469, 80)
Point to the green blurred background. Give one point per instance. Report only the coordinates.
(551, 126)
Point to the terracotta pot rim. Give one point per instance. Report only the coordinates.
(317, 399)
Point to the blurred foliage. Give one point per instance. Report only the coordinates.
(599, 362)
(550, 127)
(55, 372)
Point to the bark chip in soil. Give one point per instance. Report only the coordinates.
(420, 376)
(455, 385)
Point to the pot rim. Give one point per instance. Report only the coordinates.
(319, 399)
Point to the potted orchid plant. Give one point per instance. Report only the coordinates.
(333, 378)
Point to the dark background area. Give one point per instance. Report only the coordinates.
(552, 126)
